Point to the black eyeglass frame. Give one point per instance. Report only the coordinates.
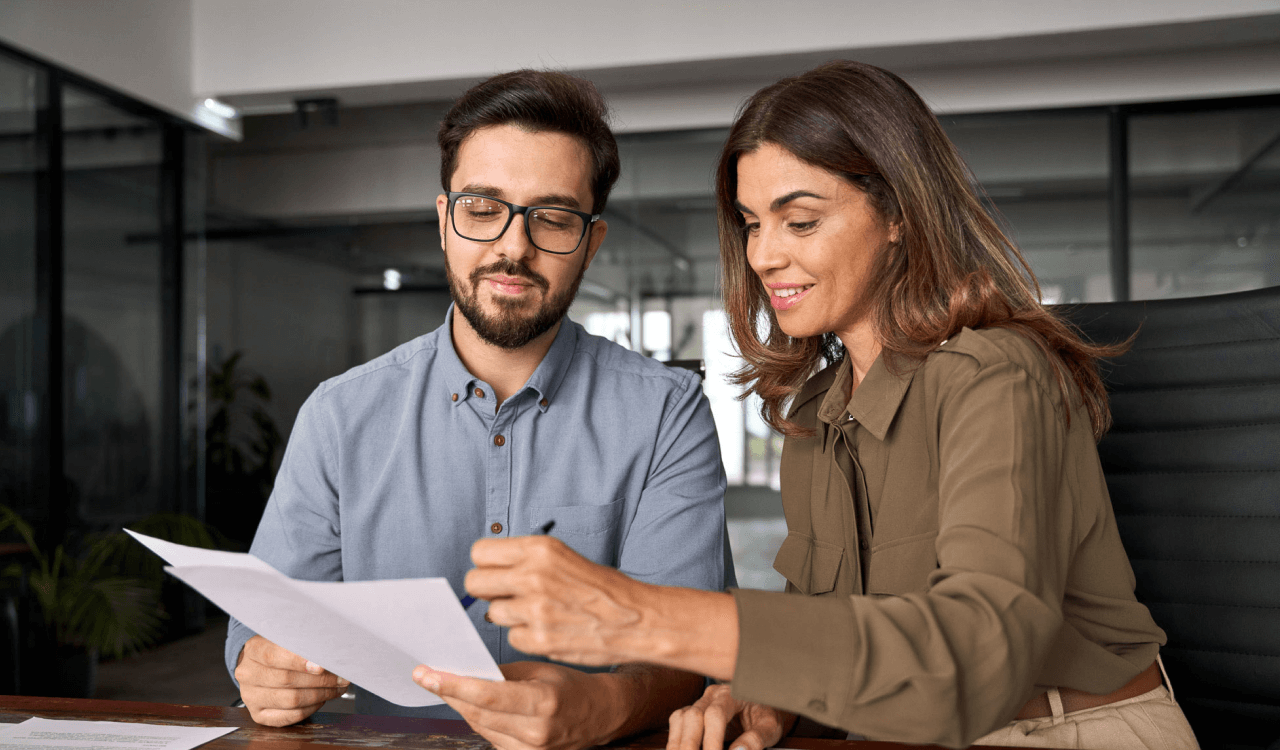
(512, 210)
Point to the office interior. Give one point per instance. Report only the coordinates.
(208, 207)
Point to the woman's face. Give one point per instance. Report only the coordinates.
(812, 238)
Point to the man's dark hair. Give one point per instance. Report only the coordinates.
(537, 101)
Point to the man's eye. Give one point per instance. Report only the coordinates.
(555, 223)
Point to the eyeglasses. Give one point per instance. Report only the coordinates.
(481, 218)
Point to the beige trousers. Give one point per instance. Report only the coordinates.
(1151, 721)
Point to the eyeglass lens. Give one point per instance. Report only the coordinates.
(551, 229)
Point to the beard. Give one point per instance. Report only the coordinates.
(510, 326)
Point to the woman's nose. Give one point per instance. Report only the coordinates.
(764, 253)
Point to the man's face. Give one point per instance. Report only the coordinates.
(509, 291)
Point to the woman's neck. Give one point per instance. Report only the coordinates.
(862, 348)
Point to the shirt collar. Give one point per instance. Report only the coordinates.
(545, 380)
(874, 403)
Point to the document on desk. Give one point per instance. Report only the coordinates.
(370, 632)
(101, 735)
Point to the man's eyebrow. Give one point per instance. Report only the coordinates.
(556, 199)
(794, 194)
(479, 189)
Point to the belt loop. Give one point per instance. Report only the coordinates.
(1055, 705)
(1167, 685)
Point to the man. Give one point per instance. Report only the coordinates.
(504, 419)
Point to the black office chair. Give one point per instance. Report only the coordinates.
(1193, 465)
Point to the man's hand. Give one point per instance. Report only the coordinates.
(717, 716)
(539, 707)
(281, 688)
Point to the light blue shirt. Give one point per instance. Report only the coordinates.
(396, 467)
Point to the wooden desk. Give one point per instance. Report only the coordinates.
(323, 731)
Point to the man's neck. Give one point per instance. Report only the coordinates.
(505, 370)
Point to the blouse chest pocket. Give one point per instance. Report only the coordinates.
(810, 565)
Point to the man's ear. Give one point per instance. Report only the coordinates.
(595, 237)
(442, 215)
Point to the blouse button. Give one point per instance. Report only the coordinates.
(499, 441)
(496, 528)
(487, 618)
(479, 393)
(454, 397)
(543, 403)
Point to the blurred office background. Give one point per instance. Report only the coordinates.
(206, 202)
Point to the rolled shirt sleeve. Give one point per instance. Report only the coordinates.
(951, 663)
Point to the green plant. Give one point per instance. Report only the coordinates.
(84, 602)
(122, 555)
(241, 439)
(241, 445)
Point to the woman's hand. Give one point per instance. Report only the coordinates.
(560, 605)
(717, 715)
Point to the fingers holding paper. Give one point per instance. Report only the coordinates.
(538, 707)
(281, 688)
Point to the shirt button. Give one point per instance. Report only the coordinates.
(496, 528)
(862, 543)
(479, 393)
(499, 441)
(543, 403)
(487, 618)
(454, 397)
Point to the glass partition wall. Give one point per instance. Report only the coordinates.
(95, 428)
(22, 387)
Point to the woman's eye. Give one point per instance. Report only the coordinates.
(752, 227)
(802, 226)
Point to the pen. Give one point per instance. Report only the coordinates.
(468, 600)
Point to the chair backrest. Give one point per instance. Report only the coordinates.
(1193, 465)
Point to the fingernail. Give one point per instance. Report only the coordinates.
(427, 679)
(314, 668)
(344, 683)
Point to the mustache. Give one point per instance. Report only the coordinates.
(508, 267)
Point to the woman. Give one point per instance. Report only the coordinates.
(947, 515)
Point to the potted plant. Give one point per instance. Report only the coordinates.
(182, 608)
(241, 446)
(85, 608)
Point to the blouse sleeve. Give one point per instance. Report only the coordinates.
(950, 664)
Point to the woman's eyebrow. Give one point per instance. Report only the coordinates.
(793, 195)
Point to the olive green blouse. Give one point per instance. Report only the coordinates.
(957, 548)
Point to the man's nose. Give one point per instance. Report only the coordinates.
(514, 243)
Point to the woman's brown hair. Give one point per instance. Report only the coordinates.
(951, 266)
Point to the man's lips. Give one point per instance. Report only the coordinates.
(510, 284)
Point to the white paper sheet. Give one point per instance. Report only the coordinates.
(370, 632)
(104, 735)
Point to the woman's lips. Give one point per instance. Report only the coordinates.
(790, 301)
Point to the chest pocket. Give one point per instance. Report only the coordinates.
(810, 565)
